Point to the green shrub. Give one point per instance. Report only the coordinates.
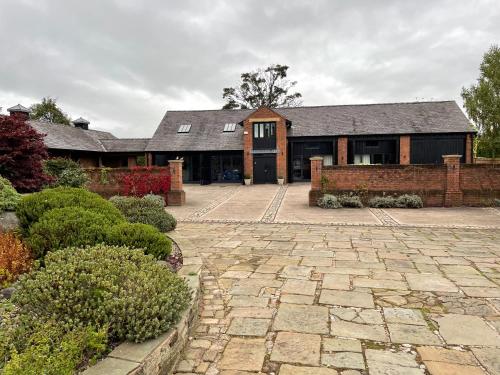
(329, 201)
(64, 227)
(66, 172)
(350, 200)
(32, 207)
(146, 210)
(140, 236)
(409, 201)
(130, 291)
(50, 350)
(382, 202)
(9, 197)
(155, 198)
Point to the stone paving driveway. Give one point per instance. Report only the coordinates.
(311, 299)
(289, 204)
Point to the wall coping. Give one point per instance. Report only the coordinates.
(316, 158)
(176, 161)
(159, 355)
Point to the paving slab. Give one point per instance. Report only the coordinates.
(249, 327)
(253, 350)
(297, 348)
(344, 360)
(305, 287)
(346, 298)
(430, 282)
(384, 362)
(335, 344)
(404, 316)
(472, 330)
(301, 318)
(305, 370)
(412, 334)
(489, 358)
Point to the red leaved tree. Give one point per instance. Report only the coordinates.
(21, 154)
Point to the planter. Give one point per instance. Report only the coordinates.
(248, 181)
(281, 181)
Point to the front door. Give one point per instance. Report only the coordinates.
(264, 169)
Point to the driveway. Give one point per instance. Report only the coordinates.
(308, 299)
(289, 204)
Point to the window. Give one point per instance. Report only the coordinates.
(264, 130)
(185, 128)
(362, 159)
(327, 160)
(229, 127)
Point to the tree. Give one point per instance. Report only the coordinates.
(48, 111)
(482, 103)
(21, 154)
(268, 87)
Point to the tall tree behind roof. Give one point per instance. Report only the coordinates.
(48, 111)
(263, 87)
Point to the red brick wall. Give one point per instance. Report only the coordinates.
(480, 183)
(404, 149)
(342, 151)
(265, 114)
(468, 148)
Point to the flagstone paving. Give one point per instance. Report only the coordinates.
(306, 299)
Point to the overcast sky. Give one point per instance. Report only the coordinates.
(122, 64)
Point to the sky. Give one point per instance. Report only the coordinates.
(122, 64)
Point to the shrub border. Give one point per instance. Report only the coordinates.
(160, 355)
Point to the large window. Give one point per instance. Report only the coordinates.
(264, 135)
(384, 150)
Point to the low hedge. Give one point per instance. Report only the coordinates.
(69, 226)
(131, 293)
(329, 201)
(9, 197)
(140, 236)
(147, 210)
(32, 207)
(403, 201)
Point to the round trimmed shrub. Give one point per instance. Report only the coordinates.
(155, 198)
(65, 227)
(9, 197)
(329, 201)
(409, 201)
(32, 207)
(351, 201)
(140, 236)
(104, 285)
(382, 202)
(146, 211)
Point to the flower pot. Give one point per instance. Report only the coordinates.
(281, 181)
(248, 181)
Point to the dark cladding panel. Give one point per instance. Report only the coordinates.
(429, 149)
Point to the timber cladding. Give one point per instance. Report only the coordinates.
(471, 185)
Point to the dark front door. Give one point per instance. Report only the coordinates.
(264, 169)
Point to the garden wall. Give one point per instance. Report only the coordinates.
(450, 184)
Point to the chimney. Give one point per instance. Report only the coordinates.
(19, 112)
(81, 123)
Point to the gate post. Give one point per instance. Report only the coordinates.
(453, 195)
(316, 170)
(176, 195)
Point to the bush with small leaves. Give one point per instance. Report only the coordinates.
(65, 172)
(32, 207)
(382, 202)
(140, 236)
(329, 201)
(146, 211)
(155, 198)
(104, 285)
(9, 197)
(15, 258)
(51, 350)
(65, 227)
(350, 200)
(409, 201)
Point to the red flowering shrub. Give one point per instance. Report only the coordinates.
(21, 154)
(146, 180)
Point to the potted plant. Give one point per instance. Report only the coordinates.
(281, 180)
(248, 179)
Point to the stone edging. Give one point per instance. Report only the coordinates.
(160, 355)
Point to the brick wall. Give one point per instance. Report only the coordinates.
(404, 149)
(265, 114)
(450, 184)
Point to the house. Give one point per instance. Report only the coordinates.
(267, 144)
(91, 148)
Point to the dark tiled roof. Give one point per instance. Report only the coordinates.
(125, 144)
(66, 137)
(392, 118)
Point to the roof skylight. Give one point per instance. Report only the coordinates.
(185, 128)
(230, 127)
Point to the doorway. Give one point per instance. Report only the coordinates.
(264, 169)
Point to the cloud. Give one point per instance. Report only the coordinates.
(123, 63)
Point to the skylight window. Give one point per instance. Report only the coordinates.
(184, 128)
(229, 127)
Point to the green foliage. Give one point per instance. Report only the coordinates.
(155, 198)
(482, 103)
(130, 291)
(350, 200)
(140, 236)
(147, 210)
(32, 207)
(263, 87)
(409, 201)
(50, 350)
(64, 227)
(141, 161)
(329, 201)
(48, 111)
(382, 202)
(9, 197)
(66, 172)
